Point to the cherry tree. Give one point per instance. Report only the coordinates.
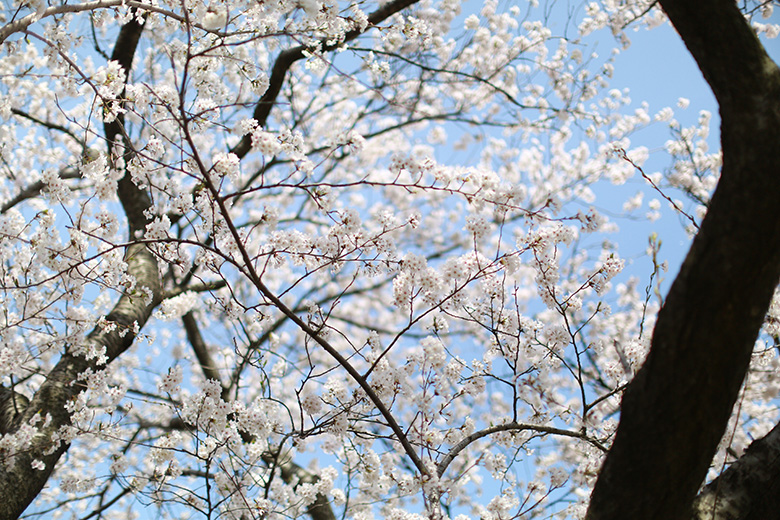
(272, 259)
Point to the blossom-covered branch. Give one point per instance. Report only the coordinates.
(47, 412)
(288, 57)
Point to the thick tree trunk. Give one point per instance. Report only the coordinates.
(20, 483)
(675, 411)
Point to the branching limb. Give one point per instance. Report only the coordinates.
(513, 426)
(251, 273)
(287, 58)
(196, 288)
(207, 364)
(292, 473)
(23, 23)
(676, 409)
(48, 124)
(35, 188)
(20, 482)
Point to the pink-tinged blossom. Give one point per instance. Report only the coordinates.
(169, 383)
(265, 143)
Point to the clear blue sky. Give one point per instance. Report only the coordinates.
(658, 69)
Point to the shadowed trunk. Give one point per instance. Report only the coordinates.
(20, 483)
(749, 489)
(675, 411)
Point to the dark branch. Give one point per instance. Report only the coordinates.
(207, 364)
(294, 474)
(20, 483)
(517, 427)
(47, 124)
(35, 189)
(320, 509)
(287, 58)
(749, 489)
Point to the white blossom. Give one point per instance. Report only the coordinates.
(322, 233)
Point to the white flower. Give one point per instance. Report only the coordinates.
(665, 114)
(227, 165)
(435, 355)
(158, 229)
(310, 7)
(478, 226)
(110, 80)
(336, 389)
(154, 148)
(310, 402)
(414, 264)
(169, 383)
(178, 306)
(471, 23)
(214, 19)
(265, 142)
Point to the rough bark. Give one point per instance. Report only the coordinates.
(675, 411)
(749, 489)
(12, 405)
(19, 482)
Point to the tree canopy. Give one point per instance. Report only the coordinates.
(275, 259)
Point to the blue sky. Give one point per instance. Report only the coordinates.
(658, 69)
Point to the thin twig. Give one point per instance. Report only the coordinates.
(513, 426)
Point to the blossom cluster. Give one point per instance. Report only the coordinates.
(389, 275)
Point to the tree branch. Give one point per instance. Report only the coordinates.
(318, 510)
(35, 188)
(205, 360)
(737, 68)
(23, 23)
(749, 489)
(49, 125)
(518, 427)
(249, 271)
(291, 472)
(12, 405)
(287, 58)
(20, 483)
(196, 288)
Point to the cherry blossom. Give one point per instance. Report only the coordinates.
(334, 259)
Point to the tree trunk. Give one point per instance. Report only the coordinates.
(20, 483)
(675, 411)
